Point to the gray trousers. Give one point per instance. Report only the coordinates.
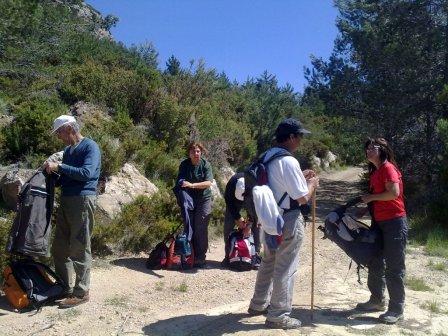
(229, 224)
(200, 217)
(71, 246)
(389, 268)
(275, 279)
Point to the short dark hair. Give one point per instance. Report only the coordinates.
(195, 144)
(281, 138)
(287, 127)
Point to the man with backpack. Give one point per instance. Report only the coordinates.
(275, 279)
(79, 173)
(234, 198)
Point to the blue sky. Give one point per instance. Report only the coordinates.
(242, 38)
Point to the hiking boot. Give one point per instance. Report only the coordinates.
(254, 312)
(390, 317)
(73, 301)
(256, 262)
(287, 323)
(371, 306)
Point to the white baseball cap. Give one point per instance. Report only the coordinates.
(239, 189)
(61, 121)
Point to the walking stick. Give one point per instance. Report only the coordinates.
(313, 211)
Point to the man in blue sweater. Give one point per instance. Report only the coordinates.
(79, 173)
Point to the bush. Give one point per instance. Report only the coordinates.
(142, 223)
(5, 226)
(157, 163)
(217, 217)
(30, 131)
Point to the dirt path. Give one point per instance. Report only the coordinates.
(126, 298)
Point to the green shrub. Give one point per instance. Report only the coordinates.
(437, 242)
(157, 162)
(112, 155)
(217, 217)
(30, 131)
(142, 223)
(5, 226)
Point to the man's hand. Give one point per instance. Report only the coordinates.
(308, 173)
(51, 167)
(314, 181)
(186, 184)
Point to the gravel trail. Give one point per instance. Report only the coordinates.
(128, 299)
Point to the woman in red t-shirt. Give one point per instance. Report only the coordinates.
(386, 206)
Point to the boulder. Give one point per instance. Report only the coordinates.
(216, 194)
(11, 183)
(225, 173)
(123, 188)
(88, 113)
(328, 160)
(56, 157)
(315, 162)
(5, 120)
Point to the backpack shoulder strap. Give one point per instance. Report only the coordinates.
(281, 152)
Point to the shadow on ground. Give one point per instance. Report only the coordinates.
(139, 264)
(136, 264)
(201, 324)
(5, 305)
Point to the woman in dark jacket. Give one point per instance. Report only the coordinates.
(388, 212)
(196, 175)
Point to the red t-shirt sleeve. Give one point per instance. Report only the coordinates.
(391, 174)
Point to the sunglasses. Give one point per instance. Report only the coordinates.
(373, 147)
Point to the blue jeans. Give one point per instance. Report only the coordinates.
(388, 269)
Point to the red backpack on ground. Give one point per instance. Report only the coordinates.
(174, 252)
(242, 251)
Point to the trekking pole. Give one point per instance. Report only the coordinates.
(313, 226)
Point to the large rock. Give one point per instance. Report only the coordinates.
(123, 188)
(328, 160)
(215, 190)
(88, 113)
(323, 163)
(56, 157)
(315, 162)
(224, 175)
(11, 183)
(94, 20)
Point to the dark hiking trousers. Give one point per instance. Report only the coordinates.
(201, 217)
(388, 269)
(229, 224)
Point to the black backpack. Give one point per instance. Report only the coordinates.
(38, 283)
(257, 175)
(31, 229)
(365, 243)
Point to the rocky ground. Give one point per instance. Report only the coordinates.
(126, 298)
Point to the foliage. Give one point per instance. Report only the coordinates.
(51, 58)
(142, 223)
(387, 68)
(5, 226)
(30, 131)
